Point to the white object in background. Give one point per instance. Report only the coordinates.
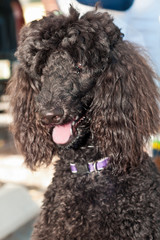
(16, 208)
(144, 17)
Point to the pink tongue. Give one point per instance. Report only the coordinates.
(61, 133)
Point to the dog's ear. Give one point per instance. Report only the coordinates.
(125, 108)
(31, 139)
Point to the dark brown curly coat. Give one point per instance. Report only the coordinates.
(79, 72)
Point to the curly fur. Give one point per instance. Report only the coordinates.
(114, 89)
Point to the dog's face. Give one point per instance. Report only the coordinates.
(65, 96)
(64, 57)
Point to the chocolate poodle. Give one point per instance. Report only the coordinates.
(84, 94)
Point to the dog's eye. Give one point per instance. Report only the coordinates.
(79, 68)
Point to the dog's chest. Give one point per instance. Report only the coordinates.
(98, 206)
(78, 203)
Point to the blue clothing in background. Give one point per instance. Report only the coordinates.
(119, 5)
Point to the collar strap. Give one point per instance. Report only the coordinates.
(90, 167)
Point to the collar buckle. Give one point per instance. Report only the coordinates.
(90, 167)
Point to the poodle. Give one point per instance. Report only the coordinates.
(83, 93)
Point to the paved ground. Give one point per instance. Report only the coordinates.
(24, 233)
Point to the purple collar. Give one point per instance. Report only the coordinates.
(90, 167)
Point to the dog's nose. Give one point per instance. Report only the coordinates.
(53, 116)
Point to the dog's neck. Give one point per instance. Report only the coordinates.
(90, 152)
(82, 154)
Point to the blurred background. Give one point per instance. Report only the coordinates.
(21, 191)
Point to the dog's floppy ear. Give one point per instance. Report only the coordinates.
(125, 107)
(32, 139)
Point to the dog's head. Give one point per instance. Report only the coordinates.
(77, 77)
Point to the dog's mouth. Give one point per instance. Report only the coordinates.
(66, 133)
